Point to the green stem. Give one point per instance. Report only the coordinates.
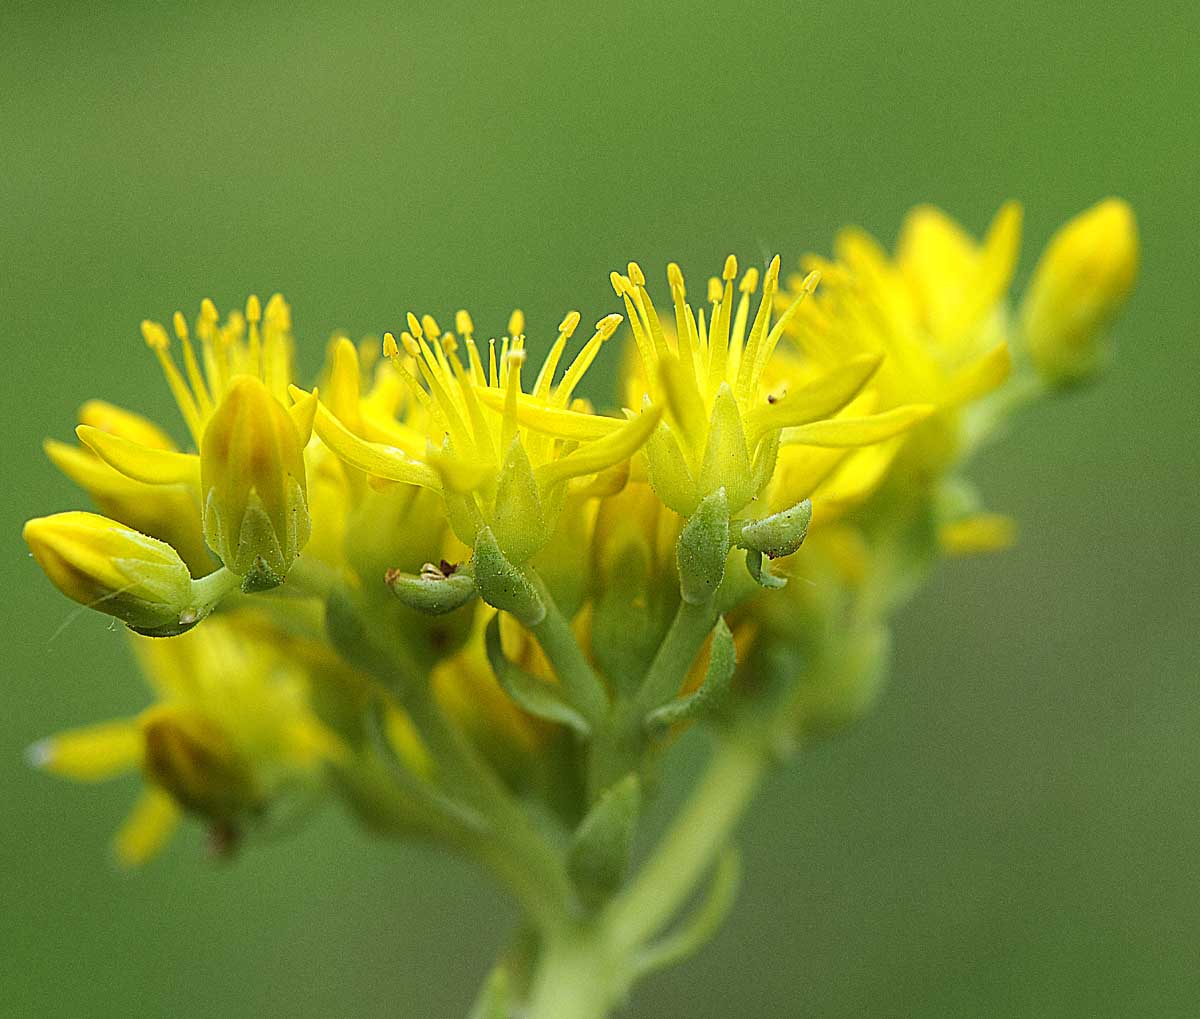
(689, 629)
(580, 683)
(577, 977)
(691, 844)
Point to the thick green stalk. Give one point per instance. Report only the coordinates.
(691, 845)
(582, 686)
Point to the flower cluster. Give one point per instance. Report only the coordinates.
(448, 592)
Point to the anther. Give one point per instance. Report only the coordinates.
(390, 349)
(253, 309)
(155, 335)
(430, 326)
(463, 324)
(608, 325)
(749, 282)
(675, 278)
(569, 324)
(636, 276)
(414, 327)
(516, 323)
(180, 325)
(730, 268)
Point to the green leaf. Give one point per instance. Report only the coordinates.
(712, 694)
(761, 572)
(432, 595)
(780, 534)
(702, 549)
(528, 692)
(503, 585)
(599, 852)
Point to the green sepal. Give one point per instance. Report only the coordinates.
(598, 855)
(702, 549)
(780, 534)
(432, 595)
(761, 572)
(260, 577)
(518, 518)
(528, 692)
(503, 585)
(711, 696)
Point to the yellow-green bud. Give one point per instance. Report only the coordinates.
(253, 485)
(1081, 282)
(192, 759)
(115, 569)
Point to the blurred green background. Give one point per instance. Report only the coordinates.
(1014, 831)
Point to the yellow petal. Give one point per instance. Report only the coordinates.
(372, 457)
(557, 421)
(110, 418)
(983, 532)
(816, 400)
(979, 377)
(862, 431)
(141, 463)
(147, 828)
(596, 456)
(91, 753)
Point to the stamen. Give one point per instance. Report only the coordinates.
(516, 323)
(566, 328)
(191, 366)
(583, 360)
(157, 340)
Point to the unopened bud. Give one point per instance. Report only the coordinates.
(1081, 282)
(112, 568)
(253, 485)
(190, 757)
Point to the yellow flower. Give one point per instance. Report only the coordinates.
(730, 405)
(231, 736)
(233, 396)
(500, 457)
(935, 313)
(253, 484)
(115, 569)
(170, 513)
(1084, 277)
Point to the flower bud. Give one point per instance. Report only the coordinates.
(189, 756)
(780, 534)
(1081, 282)
(253, 485)
(115, 569)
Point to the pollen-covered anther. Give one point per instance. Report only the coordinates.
(463, 324)
(414, 326)
(516, 323)
(155, 335)
(390, 348)
(607, 326)
(430, 327)
(636, 276)
(731, 268)
(749, 282)
(253, 309)
(569, 324)
(675, 279)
